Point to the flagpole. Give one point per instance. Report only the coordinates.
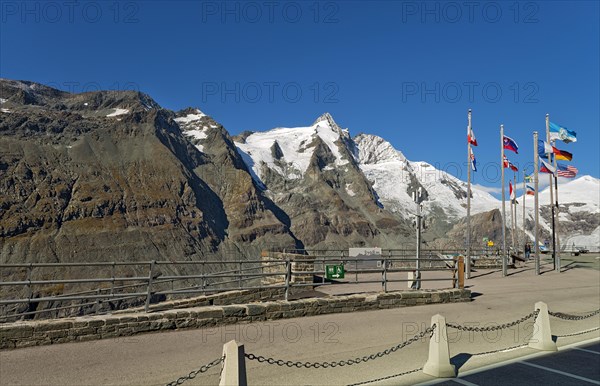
(523, 226)
(551, 193)
(469, 165)
(512, 219)
(504, 267)
(515, 237)
(557, 225)
(536, 207)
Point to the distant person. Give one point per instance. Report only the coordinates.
(527, 251)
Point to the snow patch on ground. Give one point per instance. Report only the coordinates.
(2, 100)
(190, 117)
(350, 191)
(197, 134)
(5, 110)
(117, 112)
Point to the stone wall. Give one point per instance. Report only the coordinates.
(306, 265)
(221, 298)
(33, 333)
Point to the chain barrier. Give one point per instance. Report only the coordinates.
(348, 362)
(579, 333)
(429, 331)
(388, 377)
(193, 374)
(560, 315)
(533, 315)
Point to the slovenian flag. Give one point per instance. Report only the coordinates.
(566, 171)
(473, 162)
(471, 137)
(546, 167)
(508, 164)
(562, 133)
(530, 190)
(510, 144)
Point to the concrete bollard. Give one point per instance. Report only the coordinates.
(438, 364)
(412, 280)
(234, 366)
(542, 335)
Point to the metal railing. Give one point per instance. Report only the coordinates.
(150, 282)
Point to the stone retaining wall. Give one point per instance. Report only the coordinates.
(33, 333)
(221, 298)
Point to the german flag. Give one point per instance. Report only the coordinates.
(562, 155)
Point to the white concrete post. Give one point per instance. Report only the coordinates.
(542, 335)
(438, 364)
(412, 280)
(234, 366)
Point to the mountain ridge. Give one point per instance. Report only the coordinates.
(315, 186)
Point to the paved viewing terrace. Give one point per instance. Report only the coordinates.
(159, 358)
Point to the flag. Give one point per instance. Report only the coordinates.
(562, 155)
(473, 162)
(544, 148)
(471, 137)
(510, 144)
(529, 178)
(562, 133)
(559, 155)
(508, 164)
(513, 195)
(530, 190)
(547, 168)
(566, 171)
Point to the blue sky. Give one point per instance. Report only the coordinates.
(405, 70)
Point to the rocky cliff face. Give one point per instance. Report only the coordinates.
(108, 176)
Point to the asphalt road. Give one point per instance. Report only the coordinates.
(573, 366)
(158, 358)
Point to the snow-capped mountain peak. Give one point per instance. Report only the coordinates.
(289, 151)
(327, 119)
(373, 149)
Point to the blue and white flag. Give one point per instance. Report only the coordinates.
(562, 133)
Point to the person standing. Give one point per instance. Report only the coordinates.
(527, 251)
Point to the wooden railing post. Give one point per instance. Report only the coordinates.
(461, 272)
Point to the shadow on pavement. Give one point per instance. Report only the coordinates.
(485, 274)
(570, 266)
(459, 360)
